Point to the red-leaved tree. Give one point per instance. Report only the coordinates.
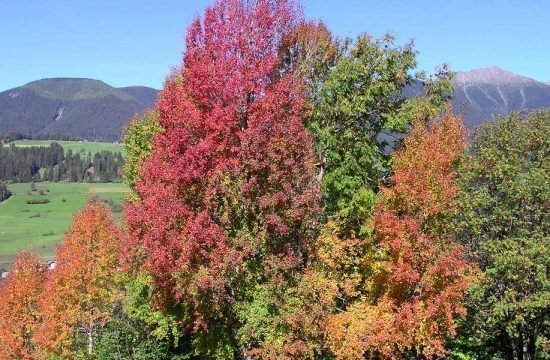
(19, 311)
(228, 198)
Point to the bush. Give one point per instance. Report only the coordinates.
(4, 192)
(38, 201)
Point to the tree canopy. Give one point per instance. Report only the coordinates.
(80, 293)
(504, 219)
(20, 316)
(299, 196)
(234, 171)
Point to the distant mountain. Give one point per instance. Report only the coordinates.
(81, 108)
(91, 109)
(485, 94)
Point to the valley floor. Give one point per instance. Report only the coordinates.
(40, 227)
(82, 147)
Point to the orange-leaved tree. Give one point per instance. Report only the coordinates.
(418, 274)
(19, 312)
(81, 292)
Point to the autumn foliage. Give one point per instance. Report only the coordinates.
(19, 309)
(277, 213)
(228, 196)
(419, 274)
(80, 293)
(309, 50)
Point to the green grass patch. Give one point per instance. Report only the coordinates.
(39, 228)
(82, 147)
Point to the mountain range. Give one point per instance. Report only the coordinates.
(78, 108)
(91, 109)
(485, 94)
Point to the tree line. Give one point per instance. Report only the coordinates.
(289, 202)
(26, 164)
(7, 137)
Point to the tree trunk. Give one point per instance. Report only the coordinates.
(90, 338)
(515, 350)
(525, 340)
(322, 162)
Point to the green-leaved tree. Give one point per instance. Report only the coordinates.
(505, 220)
(365, 104)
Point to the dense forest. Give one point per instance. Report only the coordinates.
(26, 164)
(290, 202)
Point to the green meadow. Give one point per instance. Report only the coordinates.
(40, 227)
(83, 147)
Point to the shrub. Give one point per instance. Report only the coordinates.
(38, 201)
(4, 192)
(116, 208)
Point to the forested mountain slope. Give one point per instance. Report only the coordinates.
(78, 108)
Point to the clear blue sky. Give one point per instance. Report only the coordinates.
(136, 42)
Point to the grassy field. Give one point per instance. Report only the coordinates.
(84, 147)
(40, 227)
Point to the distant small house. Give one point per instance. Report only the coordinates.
(50, 266)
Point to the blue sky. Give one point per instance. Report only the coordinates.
(136, 42)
